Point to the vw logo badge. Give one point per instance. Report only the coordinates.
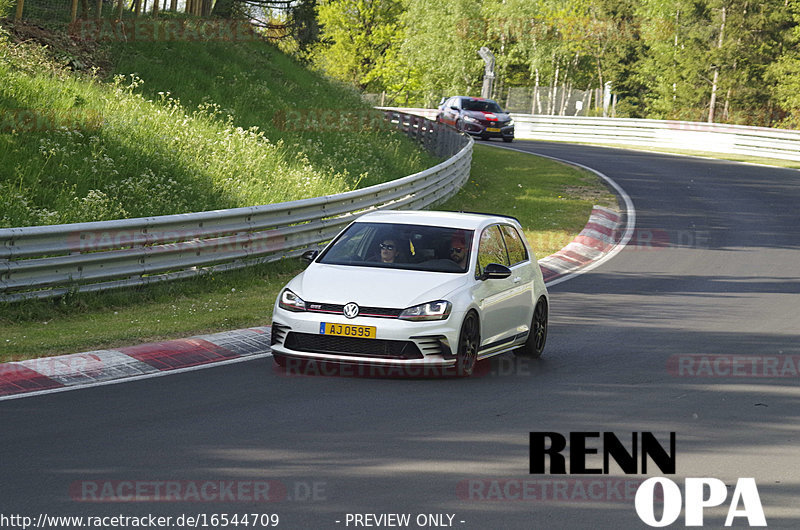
(350, 310)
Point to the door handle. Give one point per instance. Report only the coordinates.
(517, 279)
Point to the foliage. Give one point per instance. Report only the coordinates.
(359, 39)
(784, 74)
(7, 8)
(664, 59)
(441, 47)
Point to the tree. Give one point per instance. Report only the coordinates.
(785, 71)
(304, 26)
(359, 41)
(441, 47)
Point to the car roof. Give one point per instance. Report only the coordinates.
(466, 221)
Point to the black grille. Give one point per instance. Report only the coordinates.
(337, 309)
(435, 345)
(278, 333)
(390, 349)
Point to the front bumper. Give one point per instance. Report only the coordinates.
(488, 131)
(413, 348)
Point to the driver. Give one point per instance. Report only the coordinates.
(389, 250)
(458, 249)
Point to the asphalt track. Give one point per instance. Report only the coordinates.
(713, 270)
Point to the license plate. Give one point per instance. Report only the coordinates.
(493, 129)
(347, 330)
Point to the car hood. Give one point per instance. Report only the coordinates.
(490, 116)
(373, 286)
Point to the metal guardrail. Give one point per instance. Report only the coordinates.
(682, 135)
(47, 261)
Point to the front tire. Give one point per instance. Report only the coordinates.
(468, 342)
(537, 336)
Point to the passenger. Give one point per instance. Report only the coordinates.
(458, 250)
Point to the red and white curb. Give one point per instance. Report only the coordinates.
(600, 235)
(64, 372)
(600, 240)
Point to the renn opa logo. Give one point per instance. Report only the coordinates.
(546, 448)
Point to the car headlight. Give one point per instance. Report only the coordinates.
(470, 119)
(438, 310)
(291, 302)
(510, 123)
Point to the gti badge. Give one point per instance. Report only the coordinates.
(350, 310)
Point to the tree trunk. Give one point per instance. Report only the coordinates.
(587, 103)
(551, 105)
(713, 103)
(565, 98)
(715, 82)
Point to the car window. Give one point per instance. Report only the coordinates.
(413, 247)
(491, 249)
(516, 248)
(484, 105)
(356, 243)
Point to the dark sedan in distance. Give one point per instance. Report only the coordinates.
(478, 117)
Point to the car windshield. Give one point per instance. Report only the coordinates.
(401, 246)
(483, 105)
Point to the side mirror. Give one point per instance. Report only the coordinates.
(310, 255)
(495, 271)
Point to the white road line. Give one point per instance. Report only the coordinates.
(630, 214)
(136, 378)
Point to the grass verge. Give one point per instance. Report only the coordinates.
(176, 127)
(551, 200)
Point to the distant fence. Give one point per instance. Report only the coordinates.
(685, 135)
(47, 261)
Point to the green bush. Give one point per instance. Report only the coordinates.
(7, 8)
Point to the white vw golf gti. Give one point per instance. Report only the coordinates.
(422, 292)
